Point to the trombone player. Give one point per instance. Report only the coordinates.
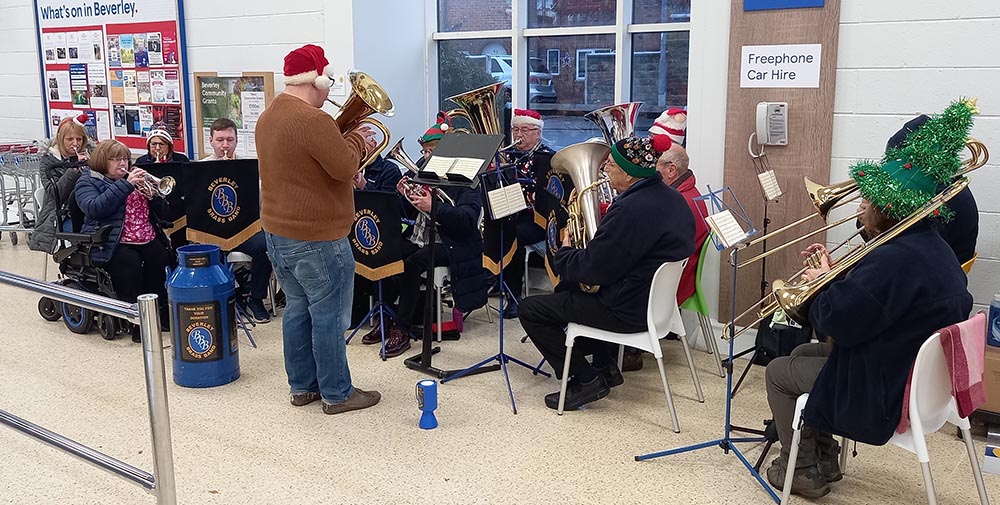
(878, 315)
(649, 224)
(307, 166)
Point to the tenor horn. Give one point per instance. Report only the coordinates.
(480, 108)
(367, 97)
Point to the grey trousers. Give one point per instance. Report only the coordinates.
(787, 378)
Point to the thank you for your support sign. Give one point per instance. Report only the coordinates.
(780, 66)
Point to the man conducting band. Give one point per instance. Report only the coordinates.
(648, 225)
(306, 168)
(223, 138)
(878, 315)
(530, 159)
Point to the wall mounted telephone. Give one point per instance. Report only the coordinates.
(772, 123)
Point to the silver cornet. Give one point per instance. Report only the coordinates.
(156, 186)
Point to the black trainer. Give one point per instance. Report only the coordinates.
(612, 375)
(579, 394)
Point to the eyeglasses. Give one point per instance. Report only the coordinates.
(117, 160)
(427, 150)
(158, 144)
(520, 129)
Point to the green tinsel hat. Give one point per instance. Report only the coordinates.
(908, 175)
(438, 129)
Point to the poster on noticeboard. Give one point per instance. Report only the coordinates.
(120, 62)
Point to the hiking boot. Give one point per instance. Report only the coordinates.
(612, 375)
(397, 342)
(300, 399)
(579, 394)
(358, 400)
(258, 312)
(807, 482)
(830, 468)
(375, 335)
(631, 361)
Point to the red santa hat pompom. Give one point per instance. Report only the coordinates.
(308, 65)
(672, 122)
(527, 117)
(81, 119)
(661, 143)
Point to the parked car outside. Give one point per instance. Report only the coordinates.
(540, 87)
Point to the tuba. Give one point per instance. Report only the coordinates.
(616, 122)
(367, 97)
(480, 108)
(582, 164)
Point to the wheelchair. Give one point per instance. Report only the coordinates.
(79, 272)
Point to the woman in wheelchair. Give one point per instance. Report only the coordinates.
(59, 169)
(136, 251)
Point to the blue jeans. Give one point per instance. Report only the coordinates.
(318, 281)
(260, 267)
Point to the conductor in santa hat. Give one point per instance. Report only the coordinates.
(307, 166)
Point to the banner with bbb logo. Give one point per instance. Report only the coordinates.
(377, 235)
(222, 201)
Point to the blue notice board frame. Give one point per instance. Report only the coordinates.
(764, 5)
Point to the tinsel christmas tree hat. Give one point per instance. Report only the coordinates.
(908, 176)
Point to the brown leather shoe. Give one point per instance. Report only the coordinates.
(632, 361)
(300, 399)
(374, 336)
(358, 400)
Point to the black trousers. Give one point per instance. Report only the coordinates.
(528, 232)
(544, 319)
(414, 267)
(139, 269)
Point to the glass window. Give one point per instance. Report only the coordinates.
(661, 11)
(659, 73)
(563, 89)
(551, 13)
(469, 64)
(467, 16)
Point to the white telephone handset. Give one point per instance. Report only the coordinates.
(772, 123)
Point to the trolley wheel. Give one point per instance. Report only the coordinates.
(13, 237)
(108, 326)
(48, 310)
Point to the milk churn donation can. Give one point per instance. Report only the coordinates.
(203, 317)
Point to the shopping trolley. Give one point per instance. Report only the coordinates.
(19, 180)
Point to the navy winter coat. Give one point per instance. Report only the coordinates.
(458, 227)
(879, 315)
(103, 203)
(647, 225)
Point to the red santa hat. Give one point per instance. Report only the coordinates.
(673, 122)
(80, 120)
(308, 65)
(528, 117)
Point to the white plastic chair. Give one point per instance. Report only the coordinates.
(931, 405)
(239, 257)
(441, 276)
(539, 249)
(662, 317)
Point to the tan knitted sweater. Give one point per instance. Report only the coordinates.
(306, 167)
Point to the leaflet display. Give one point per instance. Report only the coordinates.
(119, 63)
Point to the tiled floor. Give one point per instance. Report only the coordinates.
(243, 442)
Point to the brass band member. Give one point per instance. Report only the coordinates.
(160, 149)
(306, 168)
(877, 316)
(59, 169)
(648, 225)
(530, 159)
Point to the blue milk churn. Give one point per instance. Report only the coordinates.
(203, 317)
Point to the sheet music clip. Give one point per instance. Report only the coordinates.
(769, 188)
(729, 222)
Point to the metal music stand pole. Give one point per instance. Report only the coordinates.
(382, 308)
(726, 443)
(501, 357)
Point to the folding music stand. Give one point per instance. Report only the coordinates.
(479, 147)
(727, 442)
(502, 358)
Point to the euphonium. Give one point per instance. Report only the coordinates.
(480, 108)
(582, 164)
(367, 97)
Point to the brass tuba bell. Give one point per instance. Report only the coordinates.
(480, 108)
(617, 121)
(367, 97)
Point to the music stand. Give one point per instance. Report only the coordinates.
(476, 147)
(726, 443)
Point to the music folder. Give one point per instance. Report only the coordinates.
(458, 160)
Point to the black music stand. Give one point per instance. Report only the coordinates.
(727, 442)
(480, 147)
(502, 358)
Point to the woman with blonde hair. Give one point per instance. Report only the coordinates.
(59, 169)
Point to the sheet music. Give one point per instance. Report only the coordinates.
(769, 184)
(444, 166)
(506, 200)
(725, 226)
